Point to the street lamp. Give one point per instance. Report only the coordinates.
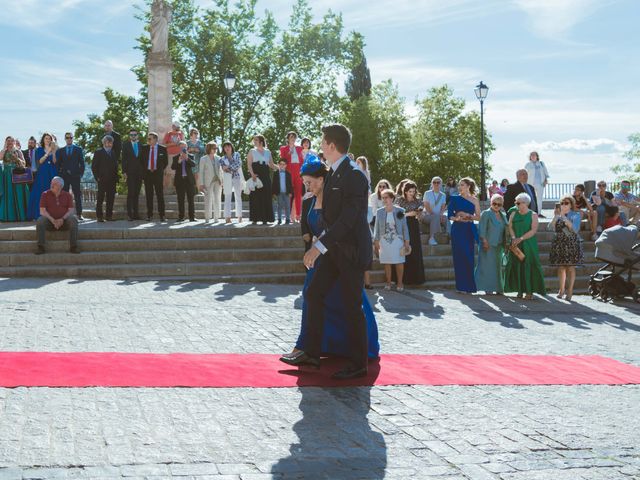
(481, 92)
(229, 83)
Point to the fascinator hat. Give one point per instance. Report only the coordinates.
(312, 166)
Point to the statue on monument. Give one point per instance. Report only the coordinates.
(160, 18)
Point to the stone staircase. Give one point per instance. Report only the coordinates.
(197, 251)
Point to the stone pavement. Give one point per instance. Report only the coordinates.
(482, 432)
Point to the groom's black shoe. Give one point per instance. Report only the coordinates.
(350, 372)
(300, 358)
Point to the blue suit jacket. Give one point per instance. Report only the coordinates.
(70, 165)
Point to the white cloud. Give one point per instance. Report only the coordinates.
(555, 18)
(579, 145)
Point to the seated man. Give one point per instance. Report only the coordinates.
(627, 202)
(57, 213)
(600, 199)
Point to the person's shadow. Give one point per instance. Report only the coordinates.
(335, 439)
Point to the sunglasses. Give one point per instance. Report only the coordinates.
(497, 204)
(436, 183)
(133, 134)
(565, 203)
(68, 138)
(602, 184)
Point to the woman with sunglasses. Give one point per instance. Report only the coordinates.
(566, 246)
(491, 230)
(524, 276)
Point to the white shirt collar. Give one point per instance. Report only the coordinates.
(337, 163)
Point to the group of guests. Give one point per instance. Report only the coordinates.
(27, 174)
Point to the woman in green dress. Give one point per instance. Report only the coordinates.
(13, 197)
(524, 277)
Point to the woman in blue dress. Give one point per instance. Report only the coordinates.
(463, 210)
(46, 158)
(334, 339)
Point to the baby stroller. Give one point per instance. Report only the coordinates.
(617, 247)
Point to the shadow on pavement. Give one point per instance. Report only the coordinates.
(406, 305)
(335, 439)
(511, 312)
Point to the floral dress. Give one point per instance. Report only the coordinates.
(566, 246)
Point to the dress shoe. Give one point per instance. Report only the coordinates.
(109, 219)
(80, 218)
(148, 218)
(163, 219)
(130, 219)
(137, 217)
(300, 358)
(350, 372)
(101, 220)
(181, 219)
(192, 219)
(74, 250)
(40, 251)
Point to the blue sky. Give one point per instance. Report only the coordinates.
(562, 74)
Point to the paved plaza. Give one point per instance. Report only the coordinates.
(481, 432)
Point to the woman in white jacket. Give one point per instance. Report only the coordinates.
(210, 181)
(538, 176)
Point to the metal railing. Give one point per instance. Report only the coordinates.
(554, 191)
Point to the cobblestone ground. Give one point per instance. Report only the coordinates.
(483, 432)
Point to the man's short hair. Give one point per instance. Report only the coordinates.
(107, 138)
(58, 180)
(339, 135)
(153, 134)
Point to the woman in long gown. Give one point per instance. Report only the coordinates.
(524, 277)
(463, 210)
(46, 158)
(335, 334)
(13, 197)
(493, 224)
(259, 164)
(413, 263)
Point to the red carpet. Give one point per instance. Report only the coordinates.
(39, 369)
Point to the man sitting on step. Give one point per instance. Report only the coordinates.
(57, 212)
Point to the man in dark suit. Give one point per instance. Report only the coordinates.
(184, 181)
(117, 139)
(513, 189)
(133, 172)
(71, 169)
(105, 170)
(343, 252)
(30, 156)
(154, 161)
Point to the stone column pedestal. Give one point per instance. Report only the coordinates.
(160, 99)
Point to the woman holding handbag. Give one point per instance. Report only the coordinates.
(391, 238)
(13, 196)
(491, 231)
(524, 273)
(260, 164)
(566, 247)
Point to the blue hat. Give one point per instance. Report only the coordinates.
(311, 165)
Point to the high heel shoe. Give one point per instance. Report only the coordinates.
(560, 294)
(568, 296)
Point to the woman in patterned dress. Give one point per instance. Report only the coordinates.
(566, 247)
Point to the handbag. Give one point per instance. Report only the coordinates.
(21, 175)
(404, 251)
(519, 254)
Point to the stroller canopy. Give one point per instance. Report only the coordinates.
(615, 245)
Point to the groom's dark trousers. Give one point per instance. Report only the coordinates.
(347, 239)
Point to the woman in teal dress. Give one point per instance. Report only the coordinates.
(13, 197)
(524, 277)
(493, 224)
(46, 157)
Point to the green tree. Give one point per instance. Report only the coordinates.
(392, 124)
(446, 140)
(364, 129)
(286, 79)
(630, 170)
(359, 82)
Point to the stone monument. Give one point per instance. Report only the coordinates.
(159, 70)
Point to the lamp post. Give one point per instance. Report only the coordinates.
(481, 92)
(229, 83)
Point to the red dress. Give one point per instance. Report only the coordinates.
(294, 169)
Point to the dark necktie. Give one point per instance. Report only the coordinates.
(68, 151)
